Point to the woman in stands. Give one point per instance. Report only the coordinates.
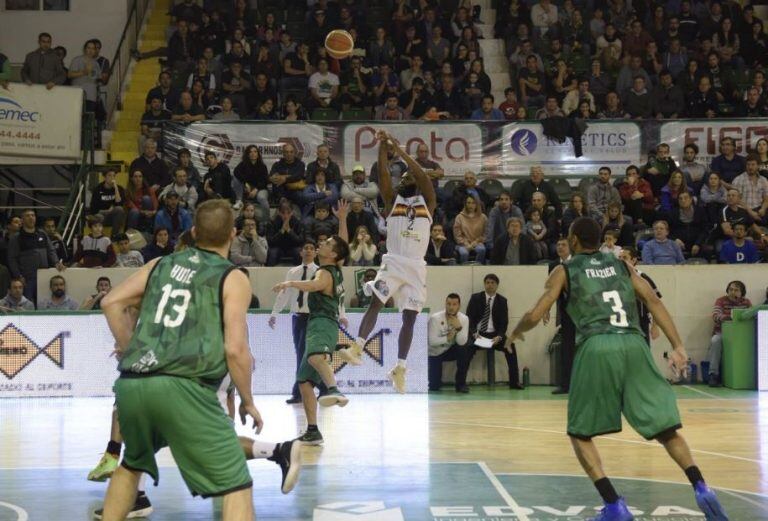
(669, 192)
(141, 203)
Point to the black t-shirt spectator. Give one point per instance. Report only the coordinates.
(189, 12)
(231, 79)
(220, 182)
(739, 215)
(255, 175)
(103, 198)
(296, 63)
(194, 110)
(155, 172)
(170, 99)
(256, 97)
(420, 106)
(154, 121)
(537, 78)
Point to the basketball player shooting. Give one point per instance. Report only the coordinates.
(403, 274)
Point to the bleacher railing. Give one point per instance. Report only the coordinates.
(121, 61)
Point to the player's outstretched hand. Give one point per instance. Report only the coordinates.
(277, 288)
(342, 210)
(253, 412)
(271, 322)
(516, 336)
(344, 322)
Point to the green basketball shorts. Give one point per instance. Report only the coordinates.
(159, 411)
(322, 337)
(615, 374)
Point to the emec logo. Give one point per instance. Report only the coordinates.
(523, 142)
(16, 112)
(17, 351)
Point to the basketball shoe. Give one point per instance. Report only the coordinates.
(104, 469)
(617, 511)
(397, 375)
(288, 456)
(334, 397)
(708, 503)
(141, 508)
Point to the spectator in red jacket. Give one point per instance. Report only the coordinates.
(734, 299)
(637, 196)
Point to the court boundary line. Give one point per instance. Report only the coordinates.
(705, 393)
(503, 492)
(734, 491)
(611, 438)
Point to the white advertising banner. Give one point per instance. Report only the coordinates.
(229, 140)
(36, 122)
(456, 147)
(70, 355)
(612, 144)
(706, 134)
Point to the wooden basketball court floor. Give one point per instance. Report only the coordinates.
(491, 455)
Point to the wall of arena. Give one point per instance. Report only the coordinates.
(688, 292)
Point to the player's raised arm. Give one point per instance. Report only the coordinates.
(661, 317)
(322, 282)
(552, 289)
(126, 294)
(423, 181)
(385, 180)
(341, 211)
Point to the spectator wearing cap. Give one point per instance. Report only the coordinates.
(126, 257)
(107, 200)
(249, 249)
(359, 186)
(324, 162)
(43, 66)
(94, 250)
(173, 217)
(487, 112)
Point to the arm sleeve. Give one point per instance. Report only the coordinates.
(463, 335)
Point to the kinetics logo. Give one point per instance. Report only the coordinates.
(10, 109)
(17, 351)
(523, 142)
(374, 348)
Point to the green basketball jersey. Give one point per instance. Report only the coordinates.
(601, 299)
(320, 304)
(180, 331)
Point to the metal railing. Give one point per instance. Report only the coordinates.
(73, 213)
(122, 59)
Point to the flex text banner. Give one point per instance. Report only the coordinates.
(69, 355)
(229, 140)
(706, 134)
(37, 122)
(613, 144)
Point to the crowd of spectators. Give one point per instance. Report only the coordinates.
(420, 60)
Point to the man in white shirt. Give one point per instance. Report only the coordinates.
(448, 331)
(323, 88)
(299, 305)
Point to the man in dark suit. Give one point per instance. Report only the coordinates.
(513, 248)
(441, 251)
(488, 318)
(567, 331)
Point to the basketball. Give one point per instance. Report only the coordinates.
(339, 44)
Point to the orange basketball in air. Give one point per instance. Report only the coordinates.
(339, 44)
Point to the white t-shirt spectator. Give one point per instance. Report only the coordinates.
(324, 83)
